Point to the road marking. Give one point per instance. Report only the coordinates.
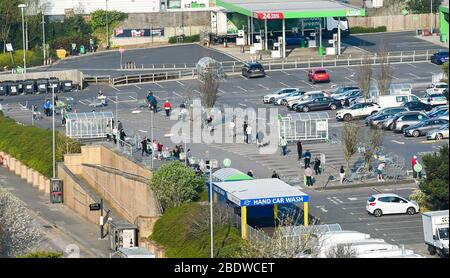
(411, 65)
(137, 87)
(243, 77)
(322, 208)
(264, 87)
(347, 208)
(308, 83)
(333, 201)
(285, 72)
(177, 94)
(115, 88)
(413, 75)
(143, 131)
(391, 222)
(404, 239)
(180, 83)
(395, 77)
(350, 79)
(353, 199)
(431, 141)
(395, 141)
(243, 105)
(197, 92)
(353, 213)
(158, 85)
(245, 90)
(376, 190)
(284, 84)
(268, 76)
(221, 91)
(338, 200)
(397, 228)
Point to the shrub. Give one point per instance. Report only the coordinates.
(361, 30)
(42, 255)
(421, 199)
(175, 184)
(34, 58)
(33, 146)
(186, 39)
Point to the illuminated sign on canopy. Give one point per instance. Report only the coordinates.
(262, 16)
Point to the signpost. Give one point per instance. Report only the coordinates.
(227, 162)
(10, 49)
(121, 50)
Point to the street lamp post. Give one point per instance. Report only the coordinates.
(22, 8)
(431, 16)
(43, 36)
(153, 151)
(107, 26)
(211, 208)
(53, 132)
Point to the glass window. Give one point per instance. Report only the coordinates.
(371, 199)
(395, 200)
(384, 199)
(401, 99)
(320, 72)
(443, 233)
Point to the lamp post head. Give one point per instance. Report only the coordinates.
(22, 6)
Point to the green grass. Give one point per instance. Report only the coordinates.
(42, 255)
(187, 39)
(175, 233)
(362, 30)
(32, 145)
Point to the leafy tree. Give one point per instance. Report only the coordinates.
(175, 184)
(435, 185)
(445, 70)
(9, 16)
(422, 6)
(98, 18)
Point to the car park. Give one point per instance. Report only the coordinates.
(417, 106)
(358, 110)
(284, 100)
(284, 92)
(435, 99)
(389, 203)
(348, 97)
(438, 133)
(250, 70)
(423, 127)
(321, 103)
(438, 87)
(384, 112)
(318, 75)
(404, 120)
(305, 98)
(439, 57)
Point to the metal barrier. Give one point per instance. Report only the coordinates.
(153, 77)
(125, 147)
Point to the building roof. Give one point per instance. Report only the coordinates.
(291, 8)
(229, 174)
(260, 192)
(89, 115)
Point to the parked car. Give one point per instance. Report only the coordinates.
(347, 97)
(321, 103)
(318, 75)
(306, 97)
(280, 93)
(445, 93)
(297, 41)
(357, 110)
(404, 120)
(395, 100)
(439, 133)
(417, 106)
(435, 99)
(438, 87)
(284, 100)
(423, 127)
(391, 111)
(253, 70)
(389, 203)
(437, 110)
(341, 89)
(439, 57)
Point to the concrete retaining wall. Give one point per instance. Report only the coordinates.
(395, 22)
(74, 75)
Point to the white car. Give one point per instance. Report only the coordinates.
(435, 99)
(437, 88)
(357, 110)
(390, 203)
(439, 133)
(280, 93)
(284, 100)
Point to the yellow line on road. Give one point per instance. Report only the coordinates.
(432, 141)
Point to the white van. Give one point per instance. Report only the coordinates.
(395, 100)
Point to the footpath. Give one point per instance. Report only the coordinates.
(63, 230)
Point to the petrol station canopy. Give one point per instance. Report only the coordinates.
(287, 9)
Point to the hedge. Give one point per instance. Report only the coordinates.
(173, 231)
(187, 39)
(361, 30)
(34, 58)
(32, 145)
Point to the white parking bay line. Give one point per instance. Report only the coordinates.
(392, 222)
(264, 87)
(405, 239)
(353, 199)
(115, 88)
(245, 90)
(285, 72)
(412, 65)
(398, 142)
(284, 84)
(308, 83)
(397, 228)
(221, 91)
(180, 83)
(158, 85)
(137, 87)
(413, 75)
(350, 208)
(177, 94)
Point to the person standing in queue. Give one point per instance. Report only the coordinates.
(167, 108)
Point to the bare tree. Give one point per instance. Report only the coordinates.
(18, 234)
(371, 144)
(365, 76)
(341, 251)
(350, 133)
(384, 77)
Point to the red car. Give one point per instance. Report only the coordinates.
(318, 75)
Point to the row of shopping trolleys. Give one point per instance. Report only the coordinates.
(35, 86)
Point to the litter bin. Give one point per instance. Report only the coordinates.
(20, 86)
(53, 81)
(321, 50)
(66, 86)
(29, 86)
(42, 86)
(3, 88)
(13, 88)
(82, 50)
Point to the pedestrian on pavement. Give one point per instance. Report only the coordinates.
(380, 169)
(159, 147)
(232, 126)
(144, 146)
(250, 173)
(307, 158)
(114, 132)
(413, 163)
(317, 163)
(63, 119)
(275, 175)
(47, 106)
(245, 132)
(309, 176)
(259, 139)
(122, 137)
(108, 132)
(283, 144)
(167, 107)
(249, 134)
(188, 155)
(119, 125)
(155, 149)
(342, 174)
(299, 149)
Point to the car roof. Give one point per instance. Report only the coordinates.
(253, 64)
(385, 195)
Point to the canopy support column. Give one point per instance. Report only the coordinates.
(251, 29)
(215, 198)
(244, 222)
(305, 214)
(284, 38)
(275, 212)
(248, 30)
(265, 35)
(339, 37)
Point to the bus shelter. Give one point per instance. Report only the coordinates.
(282, 10)
(257, 193)
(304, 126)
(89, 125)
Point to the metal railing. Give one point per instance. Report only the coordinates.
(154, 77)
(125, 147)
(97, 79)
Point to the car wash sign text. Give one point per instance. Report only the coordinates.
(274, 201)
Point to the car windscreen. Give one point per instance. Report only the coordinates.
(255, 67)
(443, 233)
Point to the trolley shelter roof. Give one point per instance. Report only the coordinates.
(308, 116)
(89, 115)
(230, 174)
(279, 9)
(260, 192)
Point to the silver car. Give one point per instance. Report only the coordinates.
(438, 134)
(403, 120)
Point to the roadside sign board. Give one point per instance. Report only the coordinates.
(121, 50)
(9, 47)
(268, 16)
(94, 206)
(418, 167)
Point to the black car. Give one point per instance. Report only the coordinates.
(417, 106)
(439, 57)
(253, 70)
(321, 103)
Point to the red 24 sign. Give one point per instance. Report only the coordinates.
(262, 16)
